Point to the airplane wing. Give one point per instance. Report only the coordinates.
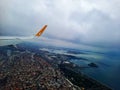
(38, 34)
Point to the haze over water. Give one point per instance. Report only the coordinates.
(108, 71)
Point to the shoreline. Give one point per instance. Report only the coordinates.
(97, 81)
(83, 81)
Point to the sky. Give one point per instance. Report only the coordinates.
(94, 22)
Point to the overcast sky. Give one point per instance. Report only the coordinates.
(76, 21)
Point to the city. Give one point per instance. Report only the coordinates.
(21, 68)
(26, 70)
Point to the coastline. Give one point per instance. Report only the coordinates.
(83, 81)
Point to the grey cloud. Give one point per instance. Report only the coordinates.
(67, 20)
(102, 29)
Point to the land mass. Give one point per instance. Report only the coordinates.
(28, 67)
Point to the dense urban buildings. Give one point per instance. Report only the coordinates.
(33, 68)
(28, 71)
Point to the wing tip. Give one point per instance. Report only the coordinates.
(41, 31)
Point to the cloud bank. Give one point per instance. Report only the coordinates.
(77, 21)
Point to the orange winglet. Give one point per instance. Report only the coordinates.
(41, 31)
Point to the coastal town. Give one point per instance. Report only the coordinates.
(23, 69)
(26, 70)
